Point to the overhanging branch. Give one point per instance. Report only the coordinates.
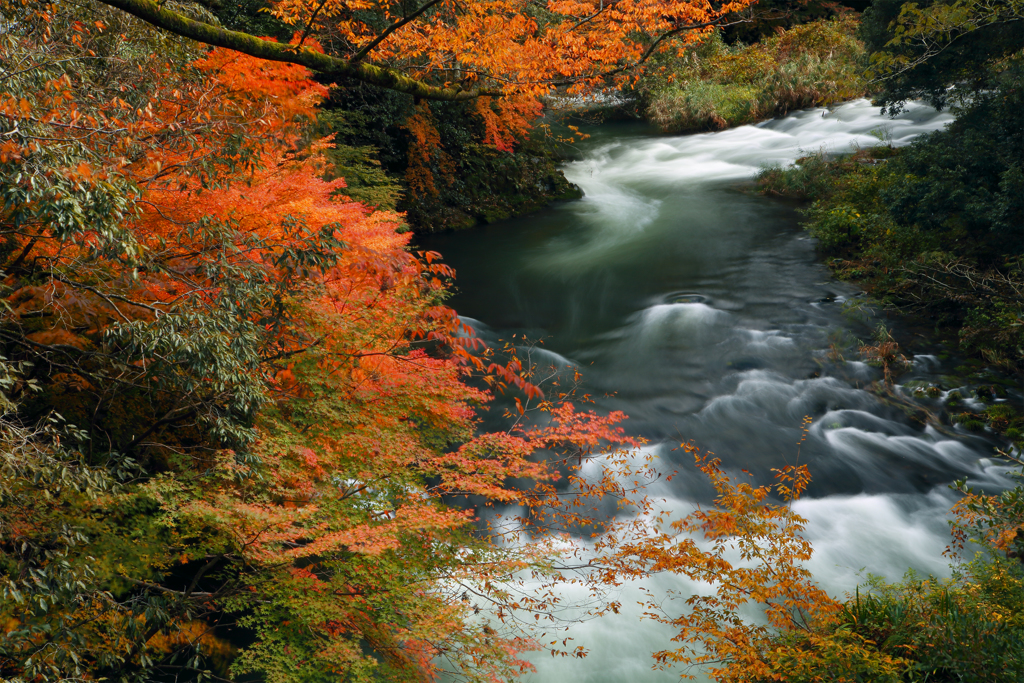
(391, 29)
(176, 23)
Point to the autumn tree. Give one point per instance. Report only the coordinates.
(236, 412)
(445, 50)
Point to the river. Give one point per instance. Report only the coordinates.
(699, 309)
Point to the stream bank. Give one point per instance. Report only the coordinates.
(934, 231)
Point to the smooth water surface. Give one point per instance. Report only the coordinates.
(699, 308)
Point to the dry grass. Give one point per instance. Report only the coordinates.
(714, 85)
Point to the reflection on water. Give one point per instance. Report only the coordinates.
(700, 309)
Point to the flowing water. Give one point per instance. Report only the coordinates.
(699, 308)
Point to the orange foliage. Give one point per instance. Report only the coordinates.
(424, 149)
(509, 123)
(451, 49)
(750, 550)
(577, 41)
(338, 520)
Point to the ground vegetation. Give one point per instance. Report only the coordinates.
(714, 85)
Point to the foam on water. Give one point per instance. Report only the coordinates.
(741, 152)
(545, 361)
(702, 313)
(875, 456)
(766, 396)
(882, 535)
(617, 178)
(675, 322)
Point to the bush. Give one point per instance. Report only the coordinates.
(938, 227)
(471, 182)
(809, 178)
(966, 184)
(714, 85)
(967, 629)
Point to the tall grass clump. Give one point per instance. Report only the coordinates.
(714, 85)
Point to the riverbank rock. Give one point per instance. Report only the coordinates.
(490, 186)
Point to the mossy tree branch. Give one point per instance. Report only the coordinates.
(329, 65)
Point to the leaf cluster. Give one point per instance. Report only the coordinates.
(944, 51)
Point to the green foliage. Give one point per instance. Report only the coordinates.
(936, 227)
(251, 16)
(970, 628)
(944, 51)
(766, 17)
(715, 85)
(364, 116)
(490, 185)
(810, 177)
(224, 447)
(964, 184)
(109, 385)
(48, 579)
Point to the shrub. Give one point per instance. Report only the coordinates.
(967, 628)
(715, 85)
(809, 178)
(937, 228)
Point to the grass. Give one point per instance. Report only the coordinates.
(714, 85)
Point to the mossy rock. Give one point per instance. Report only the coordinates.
(1004, 418)
(985, 392)
(973, 425)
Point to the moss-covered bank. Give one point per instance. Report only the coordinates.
(469, 183)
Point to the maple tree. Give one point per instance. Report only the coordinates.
(447, 50)
(235, 408)
(240, 429)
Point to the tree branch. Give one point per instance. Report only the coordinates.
(171, 416)
(165, 19)
(391, 29)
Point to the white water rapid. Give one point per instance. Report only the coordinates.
(700, 308)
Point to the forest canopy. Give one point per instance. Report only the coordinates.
(442, 49)
(242, 432)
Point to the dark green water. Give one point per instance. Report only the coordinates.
(700, 309)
